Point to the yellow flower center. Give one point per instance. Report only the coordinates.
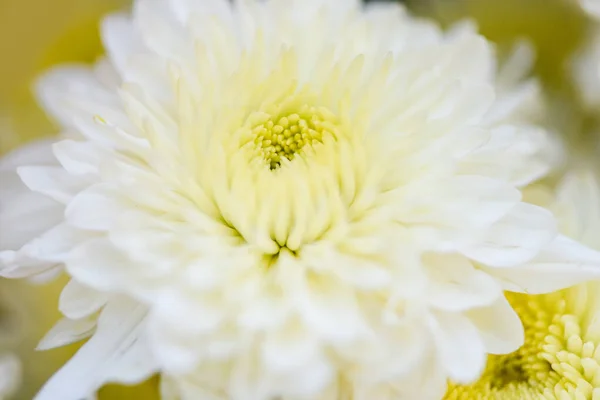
(559, 360)
(285, 134)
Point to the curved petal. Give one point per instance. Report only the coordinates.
(79, 301)
(67, 331)
(515, 239)
(561, 264)
(457, 285)
(115, 353)
(499, 326)
(459, 346)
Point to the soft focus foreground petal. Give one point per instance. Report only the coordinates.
(561, 264)
(67, 331)
(117, 352)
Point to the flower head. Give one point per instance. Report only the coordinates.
(285, 199)
(561, 355)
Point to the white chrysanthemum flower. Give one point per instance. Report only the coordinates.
(284, 199)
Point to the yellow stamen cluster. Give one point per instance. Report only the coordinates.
(285, 136)
(559, 360)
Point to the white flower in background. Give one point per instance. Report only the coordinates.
(283, 199)
(585, 70)
(592, 7)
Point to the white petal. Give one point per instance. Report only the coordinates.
(36, 153)
(78, 301)
(79, 158)
(183, 9)
(579, 195)
(67, 88)
(530, 150)
(456, 285)
(47, 276)
(53, 182)
(17, 264)
(120, 40)
(161, 31)
(328, 306)
(113, 349)
(107, 74)
(459, 346)
(55, 244)
(561, 264)
(67, 331)
(499, 326)
(25, 215)
(98, 264)
(460, 201)
(515, 239)
(93, 209)
(287, 350)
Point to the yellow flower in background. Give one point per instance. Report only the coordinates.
(561, 355)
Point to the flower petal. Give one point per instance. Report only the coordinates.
(457, 285)
(116, 353)
(499, 326)
(561, 264)
(67, 331)
(515, 239)
(53, 182)
(78, 301)
(98, 264)
(459, 346)
(94, 208)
